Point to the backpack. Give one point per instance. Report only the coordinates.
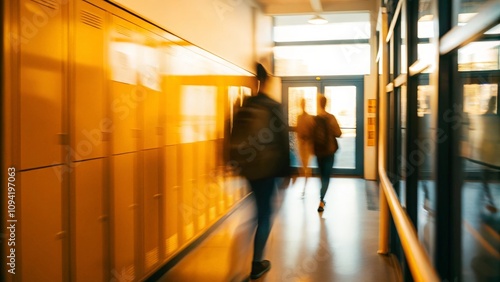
(324, 141)
(253, 149)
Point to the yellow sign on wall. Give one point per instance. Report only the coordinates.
(372, 110)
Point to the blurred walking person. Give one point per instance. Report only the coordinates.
(305, 124)
(326, 131)
(260, 152)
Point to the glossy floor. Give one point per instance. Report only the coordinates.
(339, 244)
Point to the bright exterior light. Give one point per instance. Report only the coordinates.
(317, 20)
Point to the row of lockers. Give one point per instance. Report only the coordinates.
(113, 81)
(130, 212)
(120, 160)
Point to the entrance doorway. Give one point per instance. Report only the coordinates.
(345, 101)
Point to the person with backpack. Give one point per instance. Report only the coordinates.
(325, 133)
(259, 150)
(305, 124)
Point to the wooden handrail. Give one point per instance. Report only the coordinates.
(420, 265)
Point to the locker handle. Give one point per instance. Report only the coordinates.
(106, 136)
(136, 133)
(157, 196)
(63, 139)
(176, 187)
(60, 235)
(132, 206)
(103, 218)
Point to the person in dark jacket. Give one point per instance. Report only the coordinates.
(260, 152)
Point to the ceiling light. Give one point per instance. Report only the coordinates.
(317, 20)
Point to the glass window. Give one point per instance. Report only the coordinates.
(295, 94)
(479, 56)
(426, 53)
(342, 104)
(480, 155)
(480, 99)
(307, 58)
(339, 27)
(303, 60)
(423, 161)
(468, 9)
(480, 152)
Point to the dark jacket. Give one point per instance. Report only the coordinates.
(259, 145)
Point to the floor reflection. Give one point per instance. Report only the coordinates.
(339, 244)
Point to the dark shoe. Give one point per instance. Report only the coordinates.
(321, 206)
(259, 268)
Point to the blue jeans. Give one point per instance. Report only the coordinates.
(263, 190)
(325, 165)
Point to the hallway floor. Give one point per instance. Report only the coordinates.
(339, 244)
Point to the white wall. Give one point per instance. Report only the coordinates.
(370, 89)
(264, 40)
(222, 27)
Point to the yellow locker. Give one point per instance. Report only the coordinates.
(125, 97)
(150, 89)
(41, 83)
(151, 207)
(91, 125)
(89, 220)
(212, 186)
(186, 207)
(151, 126)
(171, 192)
(124, 211)
(171, 90)
(223, 183)
(201, 198)
(41, 234)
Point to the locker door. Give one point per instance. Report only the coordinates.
(41, 82)
(151, 208)
(89, 220)
(212, 189)
(41, 234)
(172, 104)
(125, 95)
(171, 200)
(223, 178)
(90, 121)
(186, 203)
(124, 212)
(151, 119)
(200, 197)
(149, 79)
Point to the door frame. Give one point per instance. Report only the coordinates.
(321, 83)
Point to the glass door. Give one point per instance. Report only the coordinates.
(345, 102)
